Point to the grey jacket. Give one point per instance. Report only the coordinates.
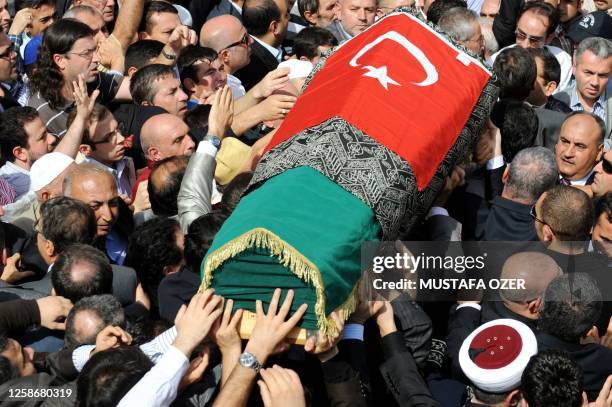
(196, 189)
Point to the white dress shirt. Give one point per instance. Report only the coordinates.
(159, 387)
(124, 177)
(235, 85)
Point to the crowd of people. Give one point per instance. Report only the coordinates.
(129, 131)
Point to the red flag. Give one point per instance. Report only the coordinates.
(401, 83)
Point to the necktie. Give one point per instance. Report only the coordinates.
(565, 181)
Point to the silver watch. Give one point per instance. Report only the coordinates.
(249, 360)
(216, 141)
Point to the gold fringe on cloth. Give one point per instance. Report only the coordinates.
(288, 257)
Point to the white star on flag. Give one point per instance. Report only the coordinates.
(381, 75)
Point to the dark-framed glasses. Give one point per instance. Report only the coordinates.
(243, 41)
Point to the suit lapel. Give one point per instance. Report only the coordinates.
(264, 55)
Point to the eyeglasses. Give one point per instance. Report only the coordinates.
(85, 54)
(8, 53)
(606, 166)
(243, 41)
(521, 36)
(110, 137)
(534, 215)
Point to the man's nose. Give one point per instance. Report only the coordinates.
(361, 14)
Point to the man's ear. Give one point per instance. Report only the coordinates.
(514, 398)
(550, 88)
(153, 154)
(45, 196)
(131, 71)
(600, 152)
(310, 17)
(535, 306)
(273, 27)
(506, 174)
(49, 248)
(20, 153)
(85, 149)
(548, 233)
(60, 61)
(142, 35)
(189, 84)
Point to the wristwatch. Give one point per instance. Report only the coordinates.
(216, 141)
(171, 57)
(249, 360)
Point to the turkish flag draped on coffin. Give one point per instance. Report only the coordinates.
(418, 88)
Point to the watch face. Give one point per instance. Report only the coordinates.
(246, 359)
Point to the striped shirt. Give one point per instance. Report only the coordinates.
(56, 119)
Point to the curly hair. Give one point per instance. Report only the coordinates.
(60, 37)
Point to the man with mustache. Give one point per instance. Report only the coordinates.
(579, 148)
(94, 185)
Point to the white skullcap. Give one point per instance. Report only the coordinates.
(297, 68)
(494, 356)
(47, 168)
(184, 15)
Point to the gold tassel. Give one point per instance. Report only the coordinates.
(290, 258)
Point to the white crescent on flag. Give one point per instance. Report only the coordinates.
(381, 73)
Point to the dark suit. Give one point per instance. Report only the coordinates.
(506, 220)
(401, 374)
(549, 127)
(262, 62)
(224, 7)
(594, 359)
(175, 290)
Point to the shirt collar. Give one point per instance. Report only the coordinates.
(276, 52)
(583, 180)
(117, 171)
(236, 6)
(345, 34)
(15, 168)
(575, 100)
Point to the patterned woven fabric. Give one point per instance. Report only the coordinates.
(368, 169)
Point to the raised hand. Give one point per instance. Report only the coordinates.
(180, 38)
(193, 322)
(111, 337)
(276, 107)
(271, 329)
(22, 19)
(281, 387)
(51, 309)
(274, 80)
(221, 113)
(84, 103)
(225, 330)
(11, 273)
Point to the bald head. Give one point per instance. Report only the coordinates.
(216, 32)
(164, 136)
(536, 269)
(219, 33)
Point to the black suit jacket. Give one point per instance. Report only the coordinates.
(549, 127)
(401, 374)
(594, 359)
(175, 290)
(506, 220)
(224, 7)
(262, 62)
